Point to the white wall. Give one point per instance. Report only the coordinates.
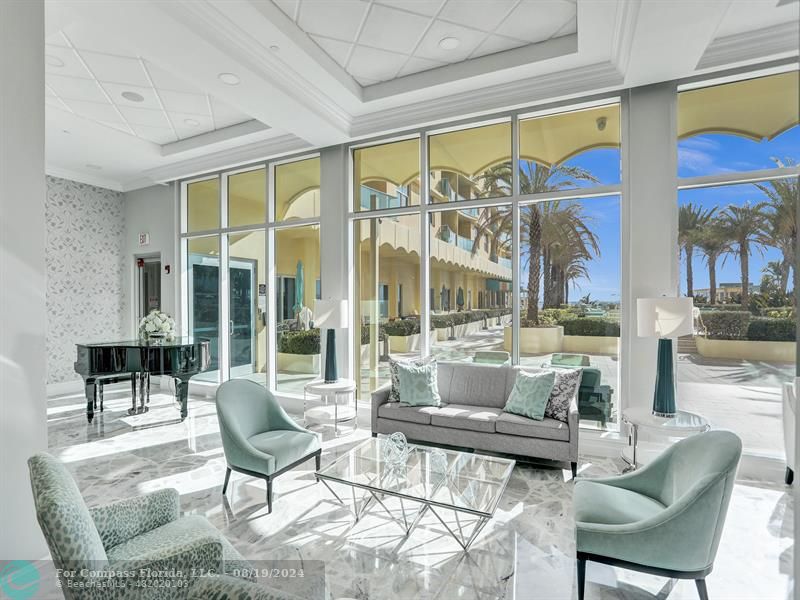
(23, 420)
(151, 210)
(85, 225)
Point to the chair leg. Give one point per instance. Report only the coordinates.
(788, 476)
(574, 467)
(702, 591)
(269, 495)
(227, 477)
(581, 577)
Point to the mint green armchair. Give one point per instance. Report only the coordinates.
(258, 437)
(145, 534)
(664, 519)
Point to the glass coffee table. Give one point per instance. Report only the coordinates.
(432, 478)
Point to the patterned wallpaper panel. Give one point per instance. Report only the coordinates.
(85, 265)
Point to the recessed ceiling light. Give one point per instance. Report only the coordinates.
(229, 78)
(275, 48)
(65, 131)
(133, 96)
(191, 122)
(53, 61)
(93, 166)
(449, 43)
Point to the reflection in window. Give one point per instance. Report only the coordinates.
(470, 163)
(202, 205)
(248, 305)
(742, 126)
(738, 245)
(203, 293)
(296, 289)
(570, 150)
(570, 296)
(297, 190)
(470, 278)
(386, 176)
(247, 198)
(387, 276)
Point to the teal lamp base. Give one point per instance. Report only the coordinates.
(331, 374)
(664, 397)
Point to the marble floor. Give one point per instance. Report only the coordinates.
(526, 552)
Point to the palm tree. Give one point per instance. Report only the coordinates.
(534, 179)
(781, 230)
(691, 219)
(714, 244)
(744, 226)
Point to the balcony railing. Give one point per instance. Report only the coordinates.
(382, 200)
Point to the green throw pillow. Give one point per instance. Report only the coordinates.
(418, 384)
(530, 394)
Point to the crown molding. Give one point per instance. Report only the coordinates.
(622, 36)
(752, 46)
(103, 182)
(595, 78)
(225, 159)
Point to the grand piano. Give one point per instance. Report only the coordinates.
(137, 360)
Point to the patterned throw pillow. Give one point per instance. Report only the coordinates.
(530, 394)
(564, 389)
(394, 392)
(418, 385)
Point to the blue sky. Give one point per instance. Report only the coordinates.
(707, 154)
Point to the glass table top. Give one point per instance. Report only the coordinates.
(682, 421)
(456, 480)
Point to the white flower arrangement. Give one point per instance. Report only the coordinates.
(157, 324)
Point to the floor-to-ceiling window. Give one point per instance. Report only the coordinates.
(552, 202)
(238, 228)
(739, 144)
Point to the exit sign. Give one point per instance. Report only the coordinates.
(144, 239)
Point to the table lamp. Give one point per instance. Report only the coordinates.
(664, 318)
(331, 315)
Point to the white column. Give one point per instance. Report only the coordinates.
(649, 225)
(335, 203)
(23, 368)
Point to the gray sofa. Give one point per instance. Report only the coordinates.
(471, 416)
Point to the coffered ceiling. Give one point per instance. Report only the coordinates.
(386, 39)
(144, 91)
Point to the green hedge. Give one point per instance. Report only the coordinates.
(771, 330)
(365, 334)
(299, 342)
(401, 327)
(719, 307)
(726, 325)
(466, 316)
(591, 326)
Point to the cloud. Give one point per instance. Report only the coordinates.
(694, 160)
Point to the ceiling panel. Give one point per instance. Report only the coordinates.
(97, 111)
(73, 88)
(336, 49)
(375, 64)
(143, 116)
(415, 65)
(497, 43)
(59, 60)
(183, 102)
(536, 21)
(469, 39)
(119, 69)
(403, 34)
(334, 18)
(157, 135)
(427, 8)
(485, 15)
(115, 91)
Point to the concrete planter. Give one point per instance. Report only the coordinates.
(591, 344)
(746, 350)
(461, 331)
(536, 340)
(408, 343)
(298, 363)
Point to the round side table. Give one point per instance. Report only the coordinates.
(683, 424)
(336, 407)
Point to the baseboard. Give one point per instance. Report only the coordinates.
(64, 387)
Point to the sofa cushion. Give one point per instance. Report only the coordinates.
(463, 416)
(418, 385)
(565, 389)
(410, 414)
(530, 394)
(547, 429)
(473, 384)
(394, 391)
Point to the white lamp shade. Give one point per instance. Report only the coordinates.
(330, 314)
(664, 317)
